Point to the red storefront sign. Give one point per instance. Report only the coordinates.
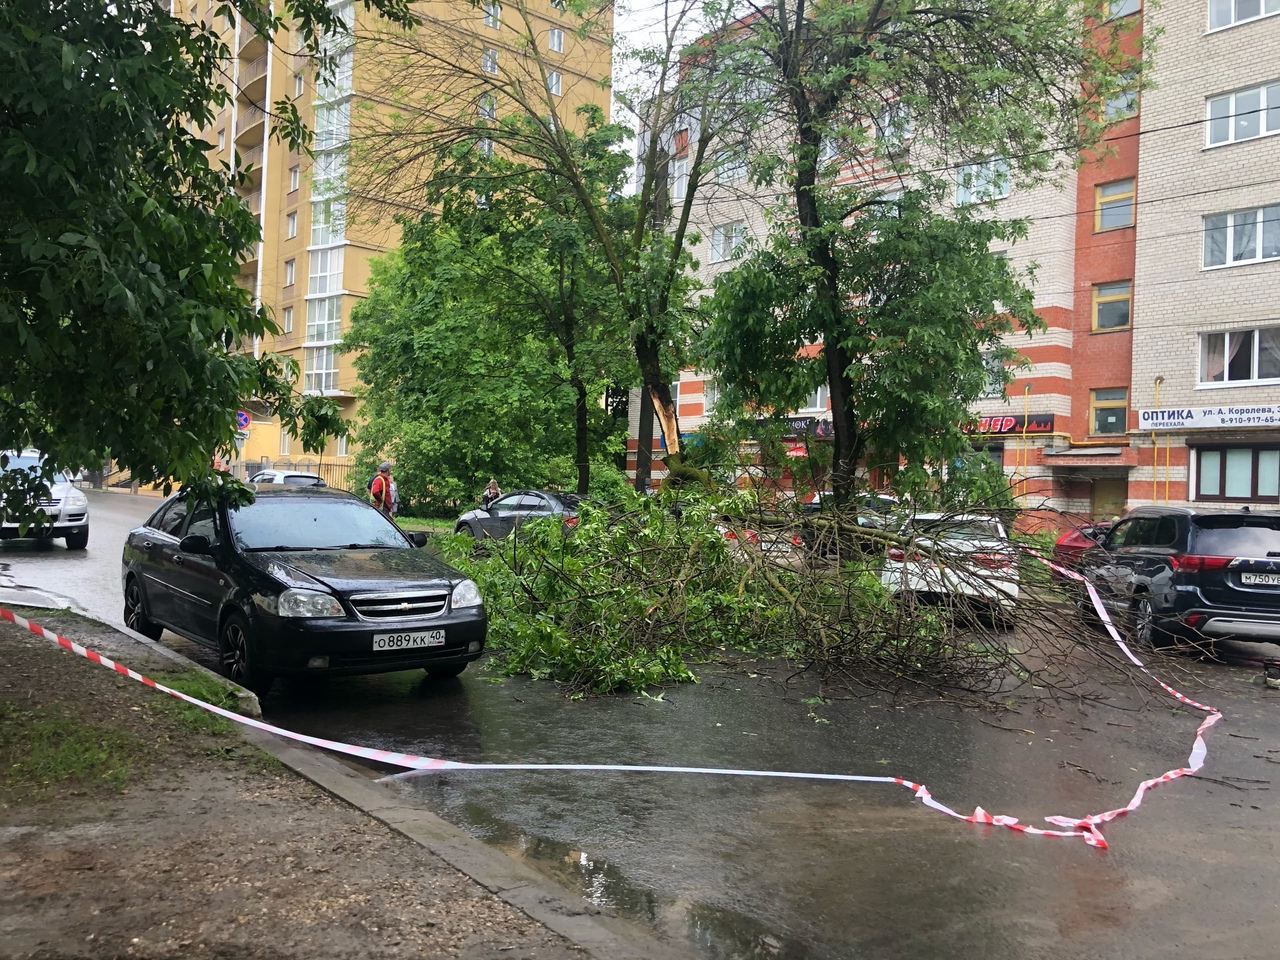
(1010, 424)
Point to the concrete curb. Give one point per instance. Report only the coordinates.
(599, 934)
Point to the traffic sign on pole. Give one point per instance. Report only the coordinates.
(242, 419)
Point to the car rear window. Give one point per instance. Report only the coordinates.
(960, 529)
(1237, 537)
(311, 523)
(304, 479)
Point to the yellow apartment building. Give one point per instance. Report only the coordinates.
(319, 231)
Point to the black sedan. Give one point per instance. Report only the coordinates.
(512, 509)
(303, 581)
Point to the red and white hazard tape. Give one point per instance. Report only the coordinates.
(1084, 827)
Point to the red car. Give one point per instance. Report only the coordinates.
(1067, 551)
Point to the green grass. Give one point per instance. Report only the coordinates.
(422, 523)
(200, 685)
(41, 748)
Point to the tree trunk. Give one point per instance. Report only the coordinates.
(580, 434)
(658, 389)
(644, 443)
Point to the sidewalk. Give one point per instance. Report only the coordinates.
(134, 825)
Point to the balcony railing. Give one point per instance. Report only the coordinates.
(251, 71)
(251, 158)
(249, 117)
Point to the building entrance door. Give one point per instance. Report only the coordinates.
(1109, 497)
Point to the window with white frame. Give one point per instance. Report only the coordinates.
(330, 173)
(710, 391)
(1237, 473)
(553, 82)
(489, 60)
(726, 240)
(893, 127)
(325, 274)
(675, 390)
(346, 13)
(994, 367)
(328, 222)
(492, 14)
(295, 178)
(1122, 8)
(299, 84)
(1227, 13)
(1242, 236)
(489, 107)
(222, 139)
(342, 446)
(324, 320)
(558, 4)
(729, 165)
(320, 373)
(1240, 356)
(290, 226)
(332, 126)
(286, 320)
(679, 176)
(1244, 114)
(817, 401)
(484, 146)
(284, 442)
(338, 83)
(555, 40)
(290, 272)
(1123, 102)
(982, 182)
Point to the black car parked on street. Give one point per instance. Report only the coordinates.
(304, 581)
(1170, 572)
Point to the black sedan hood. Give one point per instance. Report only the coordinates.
(356, 571)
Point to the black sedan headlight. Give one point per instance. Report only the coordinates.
(308, 603)
(466, 594)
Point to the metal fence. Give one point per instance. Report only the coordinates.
(335, 474)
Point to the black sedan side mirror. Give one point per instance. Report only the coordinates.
(196, 543)
(419, 538)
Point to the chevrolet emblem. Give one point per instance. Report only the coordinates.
(405, 605)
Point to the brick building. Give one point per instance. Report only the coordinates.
(1158, 376)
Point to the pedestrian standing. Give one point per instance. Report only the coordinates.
(395, 498)
(491, 493)
(382, 490)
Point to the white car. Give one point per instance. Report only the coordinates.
(66, 510)
(298, 477)
(955, 555)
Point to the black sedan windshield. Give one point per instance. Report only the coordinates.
(312, 523)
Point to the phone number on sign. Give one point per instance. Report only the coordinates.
(1250, 421)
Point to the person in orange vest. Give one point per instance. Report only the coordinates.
(381, 489)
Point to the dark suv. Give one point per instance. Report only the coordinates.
(1173, 571)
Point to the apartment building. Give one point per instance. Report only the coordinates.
(318, 235)
(1158, 278)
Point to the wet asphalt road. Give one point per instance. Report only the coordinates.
(745, 868)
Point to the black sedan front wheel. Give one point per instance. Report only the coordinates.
(135, 612)
(237, 657)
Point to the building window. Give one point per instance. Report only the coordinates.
(1109, 410)
(1226, 13)
(488, 107)
(329, 174)
(324, 320)
(995, 382)
(679, 176)
(492, 14)
(1114, 204)
(982, 182)
(332, 126)
(290, 272)
(555, 40)
(484, 146)
(1240, 356)
(222, 138)
(325, 275)
(1112, 305)
(328, 222)
(1243, 236)
(728, 166)
(1244, 115)
(284, 442)
(287, 320)
(295, 178)
(1237, 473)
(321, 370)
(1124, 102)
(726, 240)
(337, 84)
(553, 82)
(558, 4)
(342, 446)
(675, 390)
(817, 402)
(1122, 8)
(489, 61)
(299, 84)
(710, 392)
(290, 226)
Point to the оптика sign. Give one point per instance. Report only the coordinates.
(1207, 418)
